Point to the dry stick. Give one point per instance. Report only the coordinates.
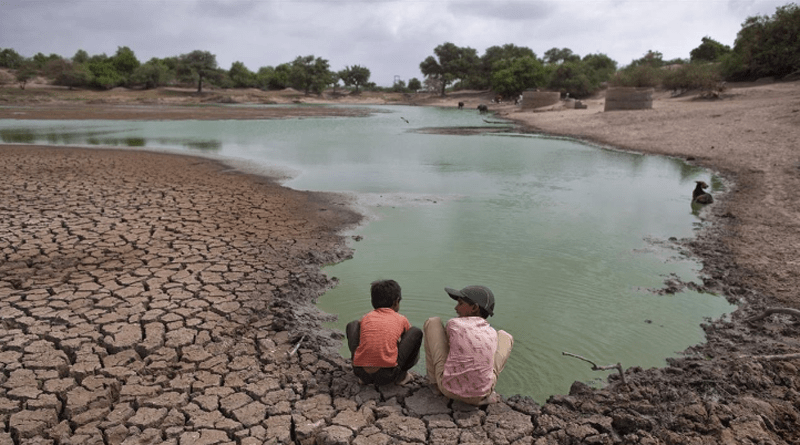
(772, 357)
(297, 346)
(775, 310)
(618, 366)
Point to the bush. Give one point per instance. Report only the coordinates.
(637, 76)
(693, 76)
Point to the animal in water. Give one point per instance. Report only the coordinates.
(406, 120)
(699, 194)
(460, 105)
(483, 108)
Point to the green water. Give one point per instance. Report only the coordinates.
(569, 237)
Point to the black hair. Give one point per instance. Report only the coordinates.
(384, 293)
(484, 312)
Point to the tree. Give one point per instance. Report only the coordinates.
(80, 56)
(199, 65)
(766, 46)
(399, 86)
(450, 64)
(66, 73)
(513, 76)
(10, 59)
(104, 72)
(555, 56)
(153, 74)
(414, 84)
(241, 76)
(709, 51)
(125, 62)
(40, 60)
(653, 59)
(311, 73)
(354, 75)
(26, 71)
(495, 54)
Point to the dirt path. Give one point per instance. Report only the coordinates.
(159, 299)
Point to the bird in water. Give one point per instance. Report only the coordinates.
(406, 120)
(699, 194)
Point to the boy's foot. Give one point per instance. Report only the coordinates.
(491, 398)
(406, 378)
(435, 389)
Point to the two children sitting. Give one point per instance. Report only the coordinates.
(463, 359)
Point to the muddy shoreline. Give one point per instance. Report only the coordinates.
(716, 392)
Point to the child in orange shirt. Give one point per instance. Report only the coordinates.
(383, 343)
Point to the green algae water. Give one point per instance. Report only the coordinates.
(572, 239)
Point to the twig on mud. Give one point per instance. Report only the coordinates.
(771, 357)
(618, 366)
(775, 310)
(297, 346)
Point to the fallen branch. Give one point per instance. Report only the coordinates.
(297, 346)
(618, 366)
(775, 310)
(772, 357)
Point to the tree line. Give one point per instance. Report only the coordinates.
(123, 69)
(765, 46)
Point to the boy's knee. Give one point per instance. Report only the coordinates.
(354, 327)
(431, 321)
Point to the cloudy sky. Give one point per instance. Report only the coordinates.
(390, 37)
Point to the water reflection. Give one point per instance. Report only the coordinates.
(89, 136)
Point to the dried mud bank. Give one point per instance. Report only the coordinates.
(158, 299)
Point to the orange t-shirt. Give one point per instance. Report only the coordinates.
(380, 332)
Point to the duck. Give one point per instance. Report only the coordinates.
(699, 194)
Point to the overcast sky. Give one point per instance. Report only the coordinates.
(389, 37)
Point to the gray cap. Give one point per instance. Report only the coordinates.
(480, 295)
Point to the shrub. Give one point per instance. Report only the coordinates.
(637, 76)
(693, 76)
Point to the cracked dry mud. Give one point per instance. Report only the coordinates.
(147, 298)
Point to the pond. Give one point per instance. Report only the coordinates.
(572, 239)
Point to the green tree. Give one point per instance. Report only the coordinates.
(40, 60)
(399, 87)
(766, 46)
(355, 76)
(492, 56)
(277, 78)
(104, 72)
(25, 72)
(66, 73)
(198, 65)
(450, 64)
(653, 59)
(152, 74)
(414, 84)
(241, 76)
(80, 56)
(513, 76)
(709, 51)
(311, 73)
(125, 62)
(556, 55)
(10, 59)
(603, 65)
